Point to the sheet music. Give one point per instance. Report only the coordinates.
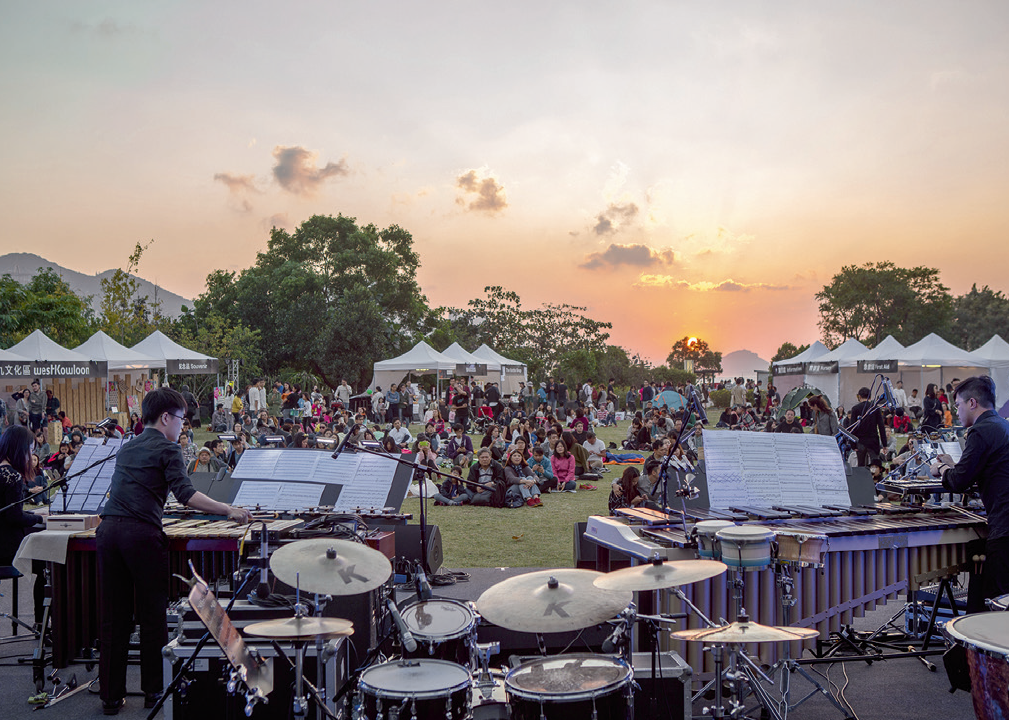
(278, 495)
(296, 465)
(299, 496)
(87, 491)
(765, 469)
(339, 471)
(257, 493)
(371, 484)
(952, 449)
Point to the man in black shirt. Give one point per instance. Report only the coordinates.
(562, 395)
(984, 463)
(460, 403)
(133, 568)
(871, 432)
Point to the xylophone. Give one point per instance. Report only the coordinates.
(871, 553)
(211, 545)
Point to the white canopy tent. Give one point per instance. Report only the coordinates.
(462, 357)
(934, 360)
(40, 348)
(862, 370)
(824, 373)
(791, 373)
(512, 371)
(421, 359)
(178, 360)
(995, 353)
(119, 357)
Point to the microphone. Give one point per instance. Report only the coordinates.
(888, 394)
(405, 636)
(842, 433)
(615, 640)
(423, 586)
(697, 407)
(106, 424)
(343, 443)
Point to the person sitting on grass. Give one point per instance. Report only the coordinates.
(460, 448)
(562, 462)
(492, 439)
(487, 481)
(522, 479)
(400, 434)
(452, 492)
(540, 465)
(581, 458)
(625, 493)
(596, 449)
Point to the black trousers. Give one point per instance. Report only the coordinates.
(133, 576)
(994, 578)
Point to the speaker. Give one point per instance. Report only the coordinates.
(408, 543)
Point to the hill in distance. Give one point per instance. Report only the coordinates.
(743, 363)
(24, 266)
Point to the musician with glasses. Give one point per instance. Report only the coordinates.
(984, 463)
(133, 568)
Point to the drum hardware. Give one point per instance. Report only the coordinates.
(484, 681)
(247, 667)
(442, 629)
(982, 638)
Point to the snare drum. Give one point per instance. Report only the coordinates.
(985, 636)
(422, 689)
(800, 549)
(705, 531)
(745, 547)
(570, 686)
(1000, 603)
(443, 629)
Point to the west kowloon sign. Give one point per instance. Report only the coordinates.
(56, 369)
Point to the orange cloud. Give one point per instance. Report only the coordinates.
(490, 195)
(298, 173)
(636, 255)
(729, 285)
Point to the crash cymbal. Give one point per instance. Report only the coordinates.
(550, 601)
(330, 567)
(300, 628)
(744, 631)
(658, 576)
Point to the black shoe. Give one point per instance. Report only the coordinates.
(113, 707)
(151, 699)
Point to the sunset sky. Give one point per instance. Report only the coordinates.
(680, 168)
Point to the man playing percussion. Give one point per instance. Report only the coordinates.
(133, 549)
(984, 463)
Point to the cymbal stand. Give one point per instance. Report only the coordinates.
(484, 680)
(786, 665)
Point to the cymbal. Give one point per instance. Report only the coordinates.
(549, 601)
(660, 576)
(301, 628)
(744, 631)
(330, 567)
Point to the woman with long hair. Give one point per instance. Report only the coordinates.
(625, 493)
(563, 464)
(824, 420)
(522, 479)
(16, 474)
(931, 417)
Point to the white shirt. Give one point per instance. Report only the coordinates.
(596, 449)
(257, 399)
(401, 435)
(900, 397)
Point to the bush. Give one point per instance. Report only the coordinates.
(720, 398)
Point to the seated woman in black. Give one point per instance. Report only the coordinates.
(15, 473)
(488, 474)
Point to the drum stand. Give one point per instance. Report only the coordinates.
(786, 665)
(484, 681)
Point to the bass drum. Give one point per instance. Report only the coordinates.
(422, 689)
(985, 637)
(570, 686)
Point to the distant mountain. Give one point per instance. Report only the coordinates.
(742, 363)
(24, 266)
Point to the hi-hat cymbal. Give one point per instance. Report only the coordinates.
(300, 628)
(330, 567)
(744, 631)
(660, 576)
(550, 601)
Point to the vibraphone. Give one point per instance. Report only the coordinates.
(881, 551)
(212, 546)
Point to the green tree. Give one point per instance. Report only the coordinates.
(787, 350)
(869, 302)
(46, 303)
(706, 362)
(330, 298)
(977, 315)
(127, 316)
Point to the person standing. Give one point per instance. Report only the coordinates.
(984, 463)
(133, 568)
(36, 405)
(870, 430)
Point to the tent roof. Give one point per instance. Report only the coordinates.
(486, 353)
(458, 353)
(994, 349)
(933, 350)
(159, 346)
(420, 357)
(101, 347)
(888, 349)
(7, 356)
(848, 350)
(40, 348)
(813, 352)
